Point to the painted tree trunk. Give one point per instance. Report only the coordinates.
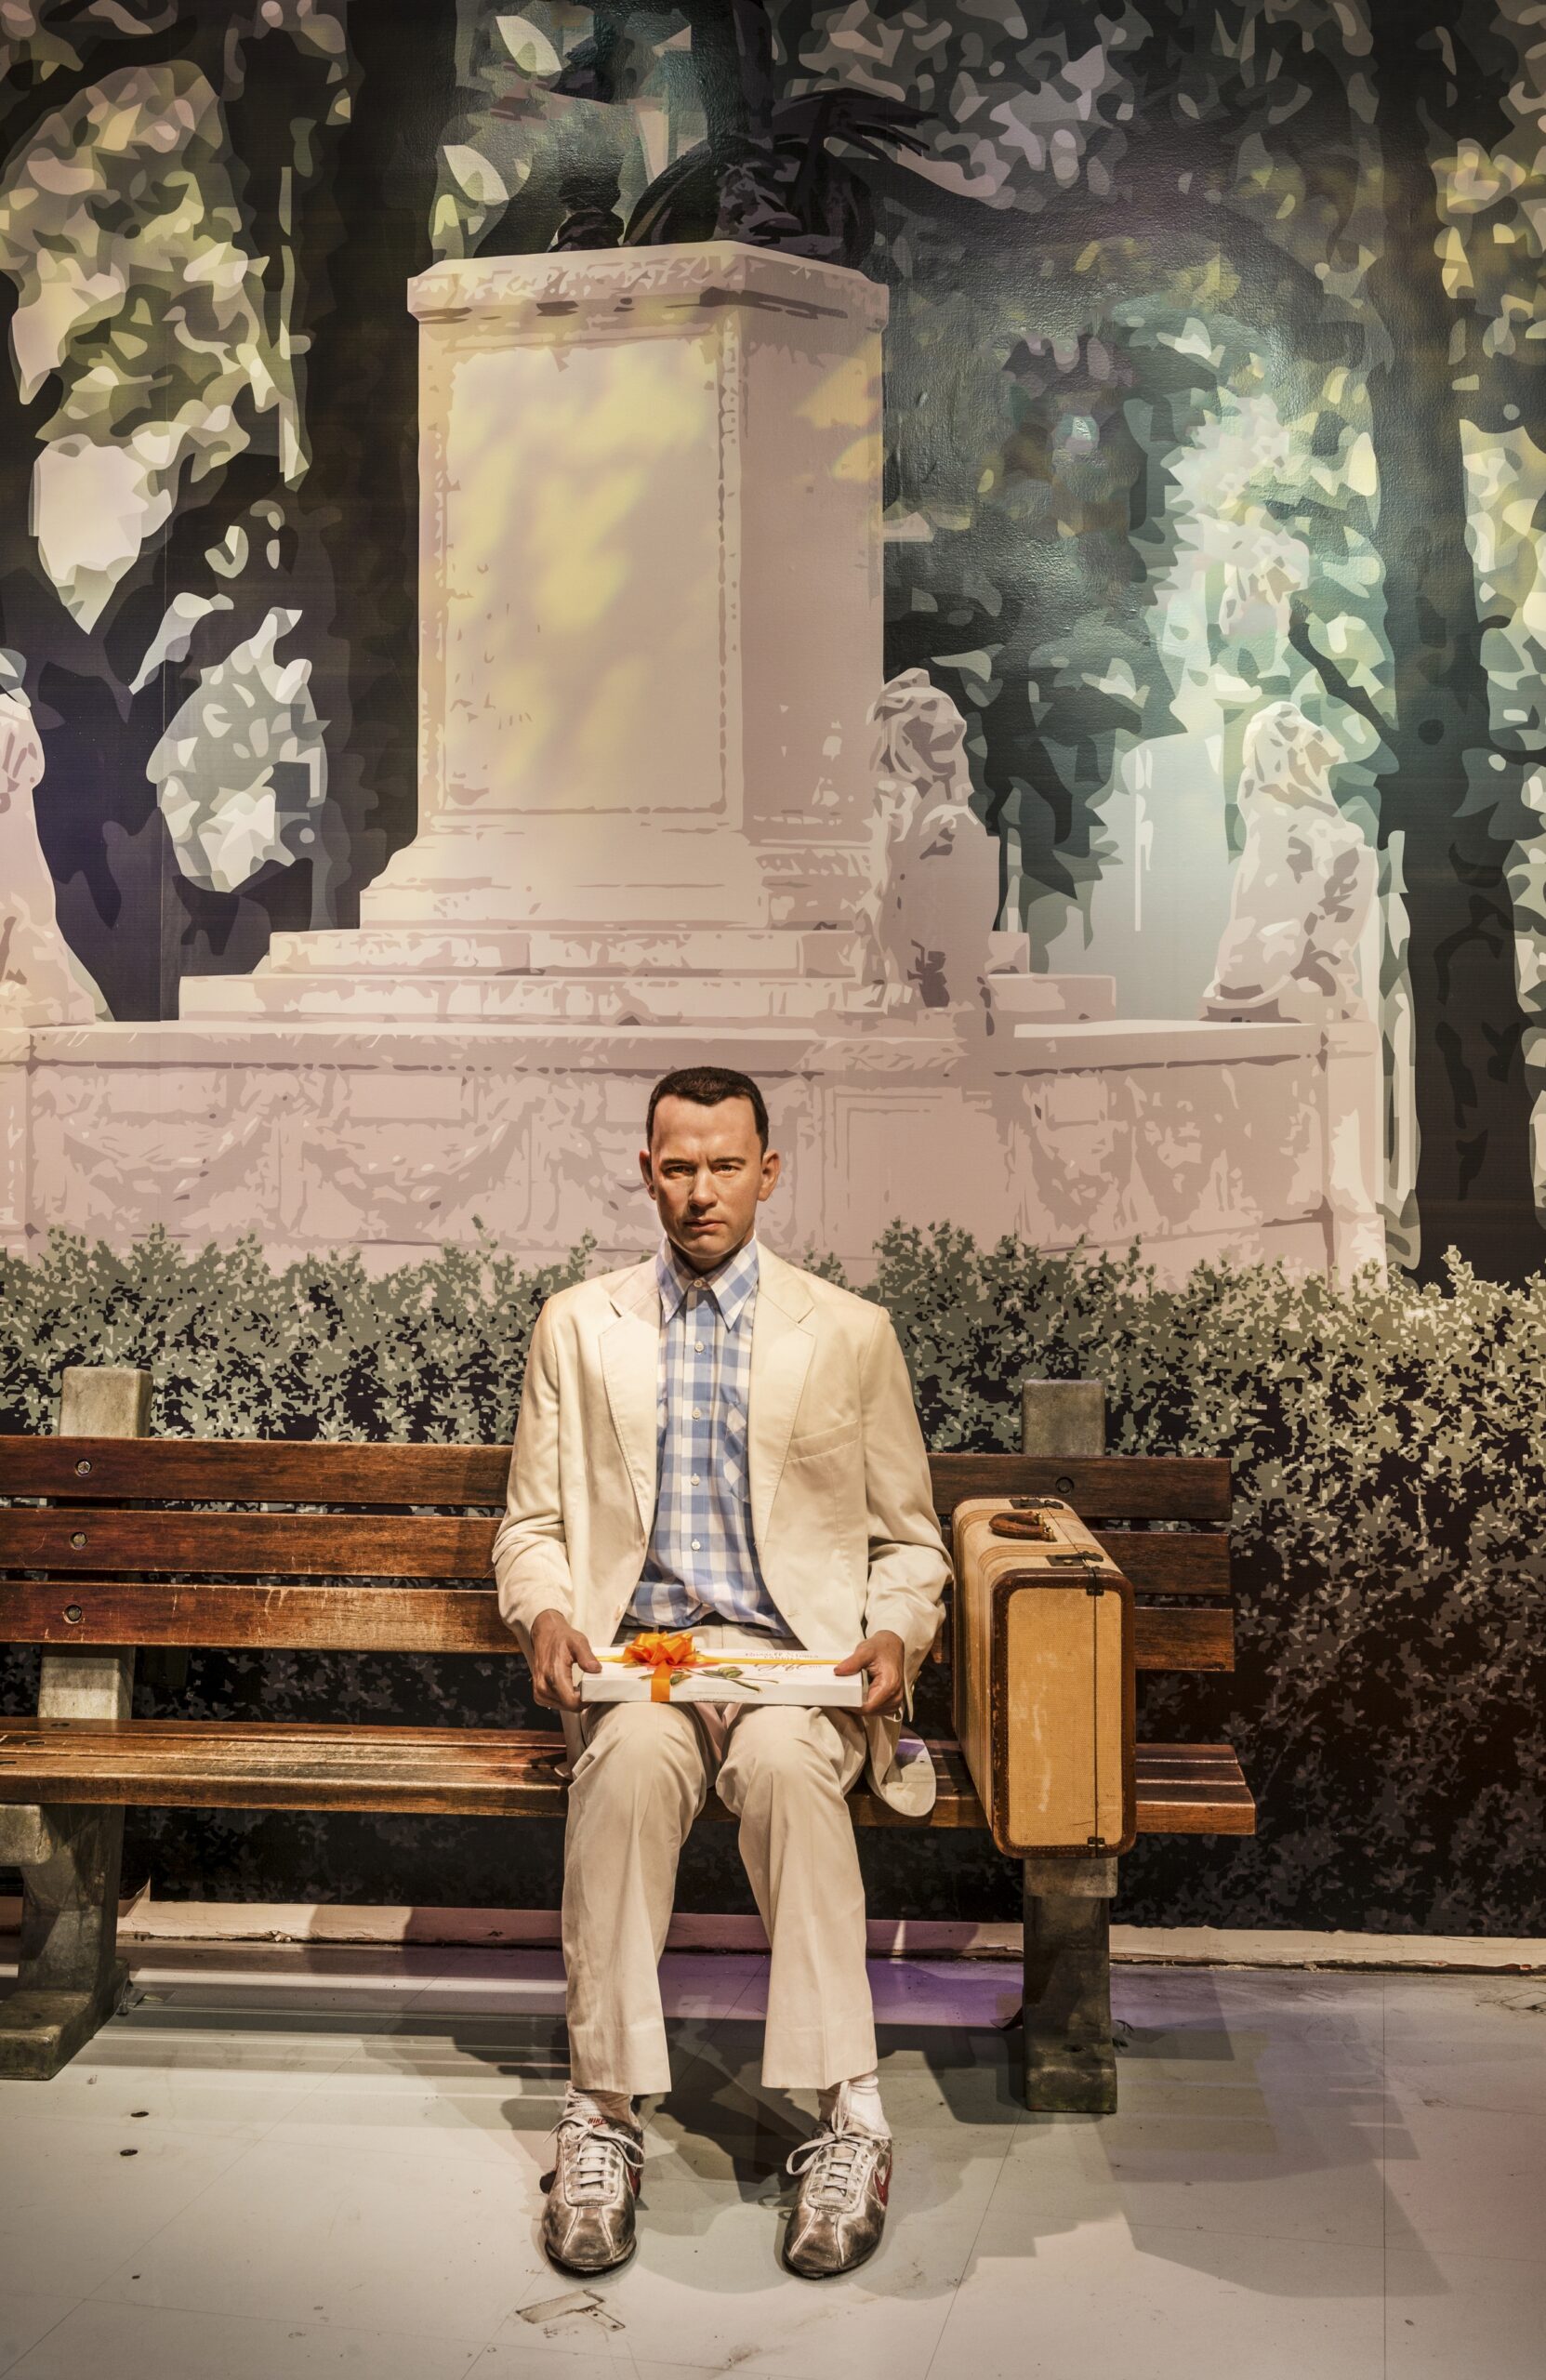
(1472, 1100)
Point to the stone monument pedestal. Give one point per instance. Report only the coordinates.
(650, 634)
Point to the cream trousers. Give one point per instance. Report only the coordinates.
(641, 1778)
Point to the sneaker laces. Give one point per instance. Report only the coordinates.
(600, 2149)
(837, 2157)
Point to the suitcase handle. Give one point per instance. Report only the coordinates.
(1022, 1525)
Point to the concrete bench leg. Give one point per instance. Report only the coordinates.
(70, 1980)
(1070, 2058)
(1070, 2061)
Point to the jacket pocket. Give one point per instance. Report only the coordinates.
(829, 1441)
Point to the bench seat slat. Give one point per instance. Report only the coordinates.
(345, 1472)
(400, 1619)
(484, 1771)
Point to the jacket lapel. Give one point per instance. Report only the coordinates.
(781, 1351)
(630, 1366)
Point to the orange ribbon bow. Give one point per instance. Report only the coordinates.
(666, 1657)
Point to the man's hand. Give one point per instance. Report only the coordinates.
(556, 1647)
(884, 1655)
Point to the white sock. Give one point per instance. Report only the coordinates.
(855, 2106)
(616, 2106)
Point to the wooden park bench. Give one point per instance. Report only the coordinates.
(109, 1544)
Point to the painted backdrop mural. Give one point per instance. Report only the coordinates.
(1168, 862)
(1211, 381)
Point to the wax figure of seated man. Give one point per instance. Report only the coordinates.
(714, 1441)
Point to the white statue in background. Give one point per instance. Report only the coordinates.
(1305, 886)
(933, 895)
(41, 981)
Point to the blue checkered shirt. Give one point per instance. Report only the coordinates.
(702, 1562)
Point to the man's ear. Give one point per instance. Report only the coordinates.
(647, 1177)
(770, 1162)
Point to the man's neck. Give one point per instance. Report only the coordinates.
(703, 1271)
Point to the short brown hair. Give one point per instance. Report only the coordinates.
(706, 1087)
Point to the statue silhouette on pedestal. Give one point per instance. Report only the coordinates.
(763, 175)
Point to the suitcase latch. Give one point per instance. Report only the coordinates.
(1095, 1580)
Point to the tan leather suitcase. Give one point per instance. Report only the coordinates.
(1044, 1678)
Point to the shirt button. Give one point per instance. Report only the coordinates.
(695, 1546)
(695, 1481)
(697, 1412)
(697, 1347)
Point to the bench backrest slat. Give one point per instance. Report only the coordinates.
(283, 1471)
(1172, 1561)
(302, 1545)
(90, 1547)
(397, 1619)
(254, 1471)
(1099, 1488)
(376, 1545)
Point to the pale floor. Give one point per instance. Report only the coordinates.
(277, 2165)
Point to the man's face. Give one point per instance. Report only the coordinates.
(707, 1176)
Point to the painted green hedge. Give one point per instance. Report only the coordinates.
(239, 1350)
(1390, 1703)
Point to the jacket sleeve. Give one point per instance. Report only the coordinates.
(908, 1566)
(531, 1558)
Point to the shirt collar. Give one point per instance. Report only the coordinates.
(731, 1285)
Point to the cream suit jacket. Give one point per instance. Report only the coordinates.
(840, 1500)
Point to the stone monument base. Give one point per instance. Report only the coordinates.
(1197, 1140)
(534, 976)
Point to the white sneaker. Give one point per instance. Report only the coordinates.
(587, 2224)
(845, 2181)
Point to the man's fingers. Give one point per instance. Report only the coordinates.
(553, 1664)
(552, 1689)
(886, 1681)
(885, 1687)
(576, 1655)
